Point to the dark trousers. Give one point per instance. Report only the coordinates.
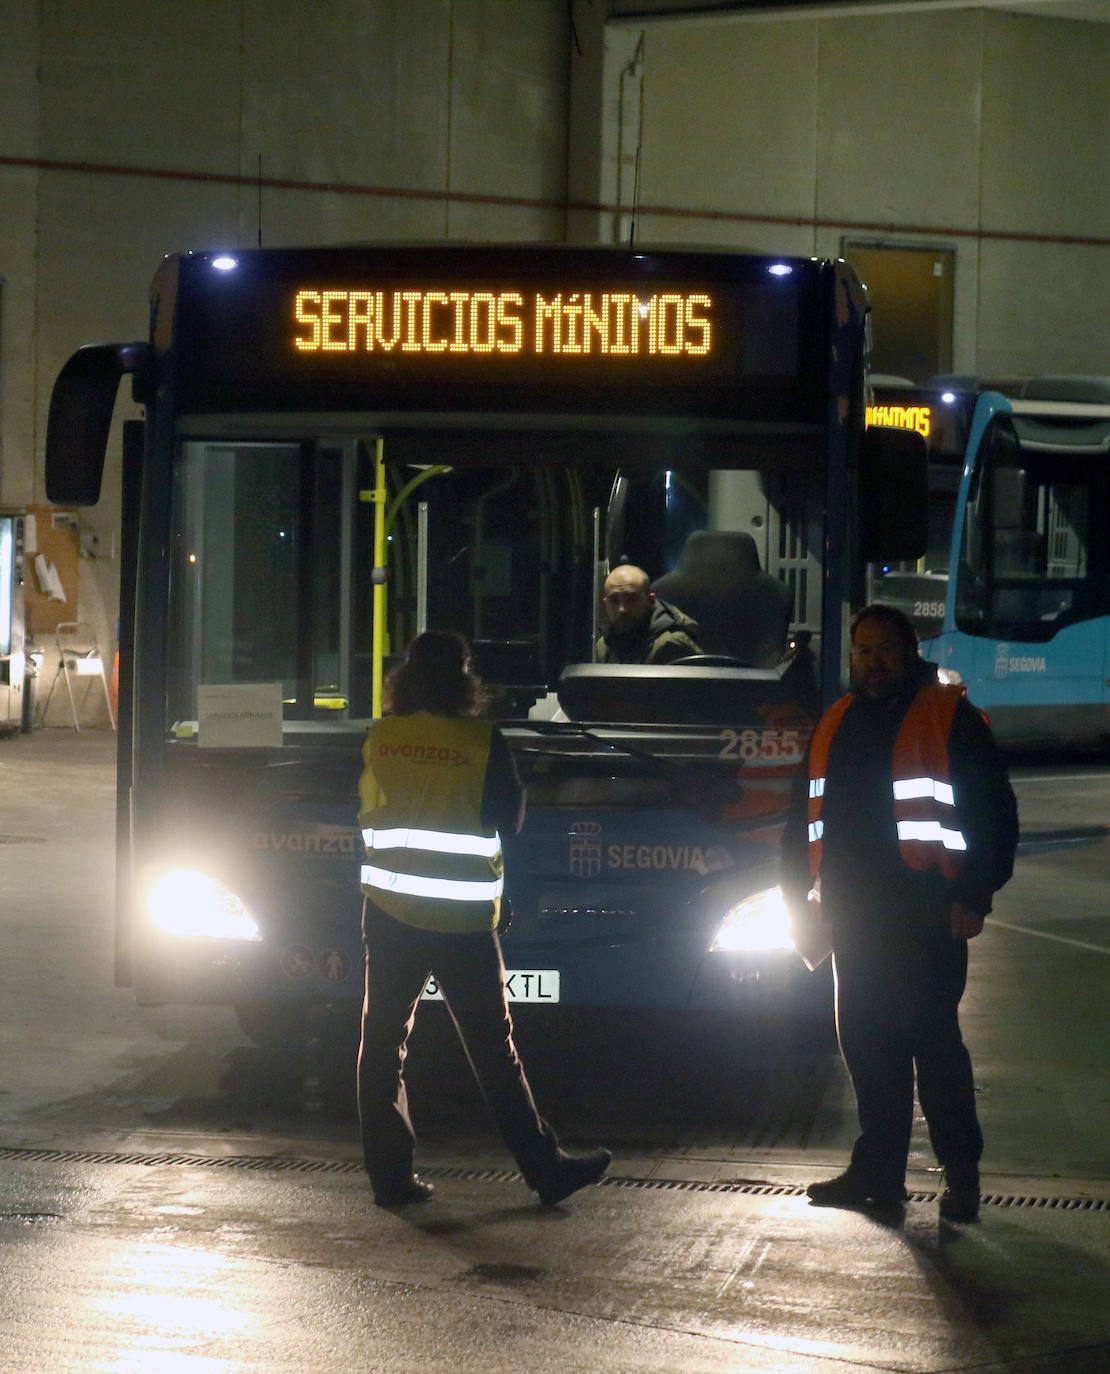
(896, 1006)
(470, 974)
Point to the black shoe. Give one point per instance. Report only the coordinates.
(413, 1189)
(960, 1199)
(570, 1173)
(850, 1190)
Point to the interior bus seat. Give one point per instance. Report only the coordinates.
(742, 612)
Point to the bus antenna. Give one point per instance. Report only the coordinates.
(634, 70)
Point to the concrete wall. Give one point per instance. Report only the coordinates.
(980, 130)
(141, 124)
(19, 119)
(133, 128)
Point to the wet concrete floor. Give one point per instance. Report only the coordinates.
(188, 1204)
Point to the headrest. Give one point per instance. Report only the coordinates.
(741, 611)
(721, 556)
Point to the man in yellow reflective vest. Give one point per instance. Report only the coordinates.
(437, 788)
(911, 824)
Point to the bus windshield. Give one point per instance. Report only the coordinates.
(495, 535)
(1032, 559)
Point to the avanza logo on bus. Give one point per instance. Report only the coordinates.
(603, 324)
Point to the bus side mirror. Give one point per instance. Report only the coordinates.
(81, 406)
(893, 495)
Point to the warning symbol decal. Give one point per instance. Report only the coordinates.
(296, 961)
(334, 965)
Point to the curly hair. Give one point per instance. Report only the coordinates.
(435, 677)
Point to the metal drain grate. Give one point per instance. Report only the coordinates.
(268, 1162)
(289, 1164)
(750, 1188)
(1056, 1204)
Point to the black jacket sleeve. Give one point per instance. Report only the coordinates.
(795, 875)
(502, 792)
(986, 806)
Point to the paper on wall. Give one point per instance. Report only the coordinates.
(48, 579)
(57, 591)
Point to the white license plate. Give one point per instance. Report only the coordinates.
(521, 985)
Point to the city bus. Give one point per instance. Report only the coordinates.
(341, 447)
(1027, 620)
(1013, 595)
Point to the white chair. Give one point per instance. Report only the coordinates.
(78, 657)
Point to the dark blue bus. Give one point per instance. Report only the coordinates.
(343, 446)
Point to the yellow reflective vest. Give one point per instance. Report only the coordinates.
(429, 860)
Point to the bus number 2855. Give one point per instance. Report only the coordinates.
(780, 746)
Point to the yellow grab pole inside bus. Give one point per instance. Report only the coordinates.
(407, 490)
(380, 640)
(383, 524)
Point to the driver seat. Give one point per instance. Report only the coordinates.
(742, 612)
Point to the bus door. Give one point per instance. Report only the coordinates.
(268, 558)
(1033, 581)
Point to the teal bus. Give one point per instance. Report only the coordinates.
(1013, 595)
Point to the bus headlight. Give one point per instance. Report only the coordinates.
(760, 922)
(190, 904)
(949, 677)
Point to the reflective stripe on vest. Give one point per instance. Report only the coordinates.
(924, 804)
(442, 889)
(818, 760)
(905, 789)
(434, 841)
(931, 832)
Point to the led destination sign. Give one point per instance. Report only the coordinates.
(476, 330)
(919, 418)
(942, 417)
(606, 324)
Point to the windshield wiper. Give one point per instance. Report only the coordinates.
(704, 790)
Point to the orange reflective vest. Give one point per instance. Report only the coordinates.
(430, 862)
(921, 789)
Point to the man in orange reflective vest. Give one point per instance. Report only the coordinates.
(911, 824)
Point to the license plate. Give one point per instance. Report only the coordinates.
(521, 985)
